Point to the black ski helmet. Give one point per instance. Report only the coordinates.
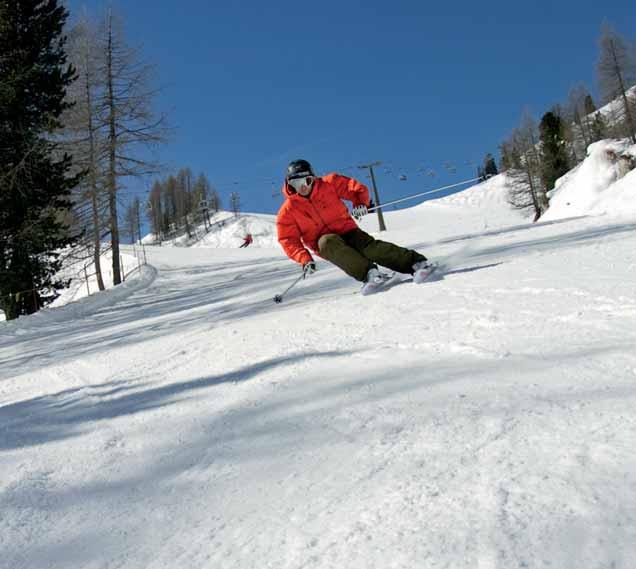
(299, 169)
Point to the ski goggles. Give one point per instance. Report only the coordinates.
(298, 183)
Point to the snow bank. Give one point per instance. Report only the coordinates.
(79, 287)
(86, 305)
(601, 184)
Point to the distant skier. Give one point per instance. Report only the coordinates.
(313, 216)
(247, 241)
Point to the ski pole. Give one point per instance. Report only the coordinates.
(279, 297)
(423, 194)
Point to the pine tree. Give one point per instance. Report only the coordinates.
(554, 163)
(35, 177)
(588, 104)
(490, 167)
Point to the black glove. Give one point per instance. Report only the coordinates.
(309, 268)
(359, 211)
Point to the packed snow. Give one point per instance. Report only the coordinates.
(483, 419)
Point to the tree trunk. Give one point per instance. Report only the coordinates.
(533, 193)
(97, 253)
(112, 172)
(93, 185)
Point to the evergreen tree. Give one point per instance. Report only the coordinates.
(490, 167)
(35, 179)
(554, 163)
(588, 104)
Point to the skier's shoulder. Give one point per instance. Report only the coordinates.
(333, 177)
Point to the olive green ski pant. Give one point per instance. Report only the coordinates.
(356, 252)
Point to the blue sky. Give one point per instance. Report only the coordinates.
(250, 85)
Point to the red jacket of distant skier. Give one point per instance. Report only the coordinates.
(302, 221)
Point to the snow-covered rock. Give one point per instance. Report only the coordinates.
(602, 184)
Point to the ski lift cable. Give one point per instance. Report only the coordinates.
(227, 185)
(423, 194)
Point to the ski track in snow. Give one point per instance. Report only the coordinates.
(483, 419)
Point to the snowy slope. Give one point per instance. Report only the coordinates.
(231, 233)
(485, 419)
(473, 210)
(227, 231)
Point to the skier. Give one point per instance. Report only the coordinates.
(247, 241)
(313, 216)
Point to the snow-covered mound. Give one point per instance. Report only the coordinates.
(83, 280)
(230, 232)
(601, 184)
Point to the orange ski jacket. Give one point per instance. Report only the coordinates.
(302, 221)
